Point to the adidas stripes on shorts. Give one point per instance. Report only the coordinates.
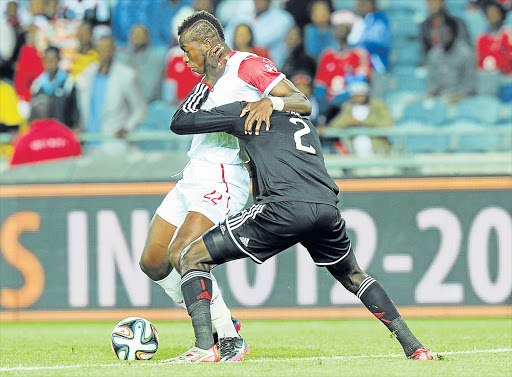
(264, 230)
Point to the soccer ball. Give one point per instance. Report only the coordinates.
(134, 338)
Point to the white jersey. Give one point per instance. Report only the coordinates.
(247, 77)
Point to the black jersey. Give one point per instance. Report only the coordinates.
(288, 158)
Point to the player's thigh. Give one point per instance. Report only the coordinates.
(154, 256)
(173, 208)
(193, 227)
(258, 232)
(328, 244)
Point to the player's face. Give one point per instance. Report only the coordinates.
(194, 53)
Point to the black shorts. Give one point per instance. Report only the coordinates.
(264, 230)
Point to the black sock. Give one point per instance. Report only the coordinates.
(377, 301)
(196, 286)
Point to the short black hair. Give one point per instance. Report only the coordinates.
(202, 24)
(54, 49)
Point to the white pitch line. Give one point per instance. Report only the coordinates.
(52, 367)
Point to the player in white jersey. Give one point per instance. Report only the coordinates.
(215, 183)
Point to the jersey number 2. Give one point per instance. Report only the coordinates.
(298, 135)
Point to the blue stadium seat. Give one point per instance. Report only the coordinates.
(403, 8)
(406, 53)
(488, 83)
(409, 78)
(483, 109)
(397, 100)
(477, 142)
(404, 27)
(431, 143)
(428, 112)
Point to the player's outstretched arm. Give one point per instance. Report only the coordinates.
(189, 119)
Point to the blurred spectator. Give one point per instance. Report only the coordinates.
(234, 12)
(451, 65)
(179, 80)
(269, 24)
(86, 54)
(50, 9)
(318, 34)
(363, 110)
(301, 10)
(429, 29)
(336, 66)
(297, 61)
(244, 41)
(7, 46)
(304, 82)
(46, 139)
(127, 13)
(161, 29)
(494, 48)
(373, 33)
(98, 13)
(36, 13)
(7, 65)
(28, 67)
(110, 100)
(59, 87)
(147, 61)
(55, 30)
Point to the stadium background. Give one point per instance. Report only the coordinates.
(432, 221)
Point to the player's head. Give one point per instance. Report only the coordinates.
(197, 34)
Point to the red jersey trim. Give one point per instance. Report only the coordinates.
(259, 72)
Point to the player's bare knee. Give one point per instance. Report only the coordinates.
(154, 269)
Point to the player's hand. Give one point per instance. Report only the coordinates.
(214, 66)
(259, 112)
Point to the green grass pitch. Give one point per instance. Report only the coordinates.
(358, 347)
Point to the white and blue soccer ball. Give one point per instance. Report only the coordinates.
(134, 338)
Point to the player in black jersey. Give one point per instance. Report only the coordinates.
(296, 203)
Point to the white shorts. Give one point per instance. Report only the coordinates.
(214, 190)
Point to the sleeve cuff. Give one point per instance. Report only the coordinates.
(208, 85)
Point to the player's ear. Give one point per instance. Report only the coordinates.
(208, 43)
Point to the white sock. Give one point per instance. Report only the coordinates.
(221, 315)
(172, 286)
